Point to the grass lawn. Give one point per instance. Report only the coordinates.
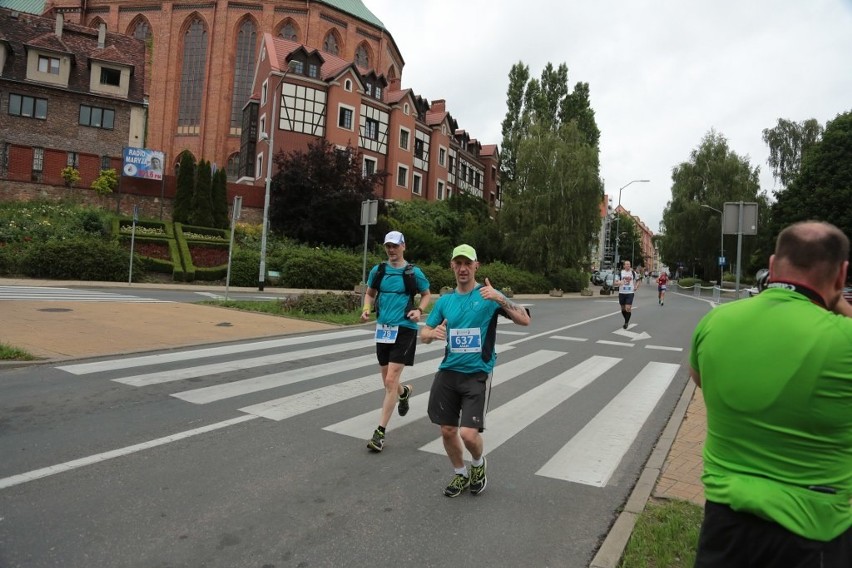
(9, 353)
(665, 536)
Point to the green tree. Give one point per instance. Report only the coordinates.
(823, 189)
(316, 195)
(185, 188)
(550, 160)
(550, 215)
(106, 182)
(220, 199)
(788, 143)
(715, 174)
(201, 213)
(515, 124)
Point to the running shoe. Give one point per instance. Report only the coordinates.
(477, 478)
(457, 486)
(402, 408)
(624, 326)
(377, 442)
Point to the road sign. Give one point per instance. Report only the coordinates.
(369, 212)
(722, 261)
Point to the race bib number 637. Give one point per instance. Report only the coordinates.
(466, 340)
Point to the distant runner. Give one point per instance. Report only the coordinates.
(662, 284)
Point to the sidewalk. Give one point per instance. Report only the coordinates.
(109, 328)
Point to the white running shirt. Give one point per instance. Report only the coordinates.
(627, 286)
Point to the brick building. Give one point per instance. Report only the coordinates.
(69, 96)
(216, 69)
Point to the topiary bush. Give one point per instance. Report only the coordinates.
(80, 258)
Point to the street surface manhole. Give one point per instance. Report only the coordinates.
(225, 324)
(56, 310)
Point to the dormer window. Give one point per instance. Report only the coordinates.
(378, 92)
(110, 77)
(368, 88)
(298, 67)
(48, 64)
(313, 70)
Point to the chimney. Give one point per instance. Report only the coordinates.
(101, 35)
(439, 105)
(59, 21)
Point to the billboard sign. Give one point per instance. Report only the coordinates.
(143, 163)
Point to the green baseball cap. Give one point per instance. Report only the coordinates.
(466, 251)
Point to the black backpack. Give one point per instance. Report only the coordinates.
(409, 280)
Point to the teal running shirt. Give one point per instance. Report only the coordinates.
(471, 331)
(392, 298)
(776, 374)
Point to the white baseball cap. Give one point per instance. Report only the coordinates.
(395, 237)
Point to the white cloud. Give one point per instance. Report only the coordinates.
(661, 73)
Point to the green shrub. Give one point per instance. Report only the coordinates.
(80, 258)
(328, 303)
(570, 280)
(10, 259)
(245, 266)
(319, 269)
(502, 275)
(688, 282)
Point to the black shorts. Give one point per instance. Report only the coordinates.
(625, 299)
(740, 540)
(459, 399)
(402, 351)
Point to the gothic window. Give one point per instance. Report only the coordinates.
(288, 31)
(142, 31)
(362, 58)
(192, 78)
(233, 169)
(329, 44)
(243, 72)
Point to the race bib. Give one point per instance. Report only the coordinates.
(467, 340)
(386, 333)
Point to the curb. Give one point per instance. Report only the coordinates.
(612, 548)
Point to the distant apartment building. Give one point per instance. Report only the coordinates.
(69, 96)
(223, 74)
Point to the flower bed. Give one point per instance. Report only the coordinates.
(208, 257)
(150, 250)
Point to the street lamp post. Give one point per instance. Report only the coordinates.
(618, 216)
(270, 140)
(721, 241)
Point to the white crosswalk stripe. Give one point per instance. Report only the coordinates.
(44, 294)
(612, 431)
(590, 457)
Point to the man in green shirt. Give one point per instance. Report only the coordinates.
(776, 375)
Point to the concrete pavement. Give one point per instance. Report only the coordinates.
(56, 331)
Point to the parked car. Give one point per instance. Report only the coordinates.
(600, 276)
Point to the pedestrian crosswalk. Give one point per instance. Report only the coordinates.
(49, 294)
(300, 375)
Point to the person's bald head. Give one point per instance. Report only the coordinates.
(810, 252)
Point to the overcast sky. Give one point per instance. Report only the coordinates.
(662, 73)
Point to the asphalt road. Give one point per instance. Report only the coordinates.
(254, 455)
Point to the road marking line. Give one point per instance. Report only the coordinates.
(618, 343)
(172, 375)
(504, 422)
(74, 464)
(362, 426)
(593, 454)
(143, 360)
(663, 348)
(565, 338)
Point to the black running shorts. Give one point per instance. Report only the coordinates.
(459, 399)
(402, 351)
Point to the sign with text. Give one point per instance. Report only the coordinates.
(143, 163)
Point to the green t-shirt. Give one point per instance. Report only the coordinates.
(776, 373)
